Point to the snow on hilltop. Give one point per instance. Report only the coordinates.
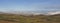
(53, 13)
(30, 13)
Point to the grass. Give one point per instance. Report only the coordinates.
(12, 18)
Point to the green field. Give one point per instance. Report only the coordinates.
(13, 18)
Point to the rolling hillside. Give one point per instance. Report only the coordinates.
(13, 18)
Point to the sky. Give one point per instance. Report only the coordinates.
(30, 5)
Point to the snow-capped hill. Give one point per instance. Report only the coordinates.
(37, 13)
(53, 13)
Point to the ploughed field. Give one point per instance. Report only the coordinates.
(13, 18)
